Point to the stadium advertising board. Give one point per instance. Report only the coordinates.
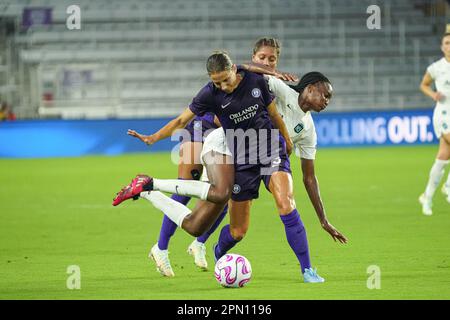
(374, 128)
(53, 138)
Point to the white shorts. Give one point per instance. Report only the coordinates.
(305, 152)
(215, 141)
(441, 121)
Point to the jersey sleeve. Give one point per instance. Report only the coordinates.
(306, 148)
(278, 88)
(203, 102)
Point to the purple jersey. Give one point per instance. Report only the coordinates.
(246, 109)
(199, 128)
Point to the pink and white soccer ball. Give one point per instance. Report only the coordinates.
(233, 270)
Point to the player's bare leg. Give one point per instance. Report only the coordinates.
(436, 173)
(189, 168)
(199, 220)
(234, 232)
(444, 153)
(213, 192)
(220, 171)
(282, 189)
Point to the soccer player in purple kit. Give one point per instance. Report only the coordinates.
(241, 100)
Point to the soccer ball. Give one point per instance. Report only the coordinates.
(233, 270)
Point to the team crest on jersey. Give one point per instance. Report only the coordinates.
(236, 189)
(256, 93)
(298, 128)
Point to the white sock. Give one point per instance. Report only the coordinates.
(188, 188)
(436, 174)
(174, 210)
(447, 184)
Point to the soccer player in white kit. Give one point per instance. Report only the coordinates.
(439, 73)
(299, 123)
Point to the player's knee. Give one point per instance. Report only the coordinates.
(195, 230)
(193, 226)
(286, 204)
(238, 233)
(222, 194)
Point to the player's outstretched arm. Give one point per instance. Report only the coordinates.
(180, 122)
(312, 187)
(262, 69)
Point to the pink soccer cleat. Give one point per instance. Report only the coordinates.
(139, 184)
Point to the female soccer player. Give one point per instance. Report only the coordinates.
(299, 124)
(439, 73)
(189, 167)
(247, 179)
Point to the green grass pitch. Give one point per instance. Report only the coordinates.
(56, 213)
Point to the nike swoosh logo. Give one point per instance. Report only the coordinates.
(224, 106)
(176, 189)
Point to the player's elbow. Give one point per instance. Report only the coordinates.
(179, 123)
(424, 88)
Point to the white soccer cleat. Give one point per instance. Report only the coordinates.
(445, 191)
(161, 258)
(426, 205)
(198, 251)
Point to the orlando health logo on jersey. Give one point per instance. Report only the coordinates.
(248, 112)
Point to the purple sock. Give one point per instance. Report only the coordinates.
(225, 243)
(168, 226)
(204, 237)
(296, 236)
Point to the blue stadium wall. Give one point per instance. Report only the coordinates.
(58, 138)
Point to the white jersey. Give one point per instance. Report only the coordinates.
(440, 73)
(299, 124)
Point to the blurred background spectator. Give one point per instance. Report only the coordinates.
(6, 113)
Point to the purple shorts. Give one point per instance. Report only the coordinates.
(198, 128)
(248, 179)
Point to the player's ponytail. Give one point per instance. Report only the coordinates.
(310, 78)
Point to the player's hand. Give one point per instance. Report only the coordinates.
(437, 96)
(149, 140)
(335, 234)
(286, 76)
